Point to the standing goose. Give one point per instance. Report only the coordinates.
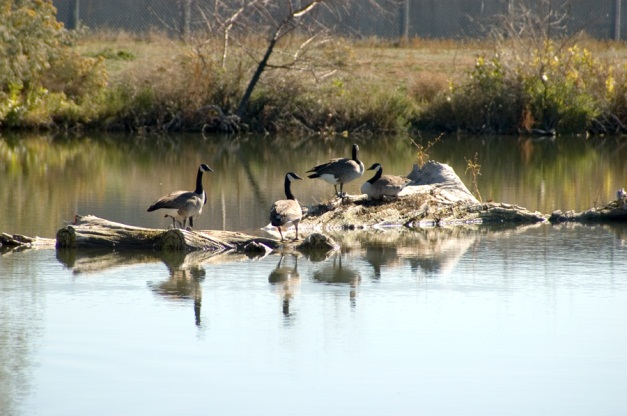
(184, 204)
(286, 211)
(380, 186)
(339, 171)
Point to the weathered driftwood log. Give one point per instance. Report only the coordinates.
(615, 211)
(90, 231)
(435, 197)
(18, 240)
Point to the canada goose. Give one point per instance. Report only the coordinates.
(380, 186)
(184, 204)
(288, 210)
(339, 171)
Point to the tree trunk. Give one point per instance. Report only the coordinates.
(241, 108)
(279, 32)
(90, 231)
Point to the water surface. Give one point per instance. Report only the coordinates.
(46, 181)
(468, 320)
(473, 321)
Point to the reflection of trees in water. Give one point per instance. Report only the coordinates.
(119, 177)
(339, 274)
(286, 280)
(21, 326)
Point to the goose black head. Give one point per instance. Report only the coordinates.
(375, 166)
(204, 168)
(291, 176)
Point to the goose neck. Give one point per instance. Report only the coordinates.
(288, 189)
(376, 176)
(355, 150)
(199, 188)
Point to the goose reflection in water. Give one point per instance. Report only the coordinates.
(380, 257)
(286, 279)
(183, 283)
(336, 273)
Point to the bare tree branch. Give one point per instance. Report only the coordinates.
(244, 22)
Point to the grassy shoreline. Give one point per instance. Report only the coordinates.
(153, 84)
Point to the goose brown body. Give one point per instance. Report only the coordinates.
(286, 211)
(339, 171)
(184, 205)
(381, 186)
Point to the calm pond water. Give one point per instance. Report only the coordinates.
(469, 320)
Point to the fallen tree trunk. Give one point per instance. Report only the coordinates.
(18, 240)
(93, 232)
(90, 231)
(615, 211)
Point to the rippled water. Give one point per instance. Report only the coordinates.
(469, 320)
(473, 321)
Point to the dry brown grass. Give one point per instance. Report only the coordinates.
(421, 65)
(422, 60)
(341, 85)
(149, 52)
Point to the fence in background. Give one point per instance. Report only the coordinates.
(398, 18)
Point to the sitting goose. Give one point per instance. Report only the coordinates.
(380, 186)
(339, 171)
(286, 211)
(184, 204)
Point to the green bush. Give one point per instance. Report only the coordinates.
(41, 77)
(555, 88)
(30, 40)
